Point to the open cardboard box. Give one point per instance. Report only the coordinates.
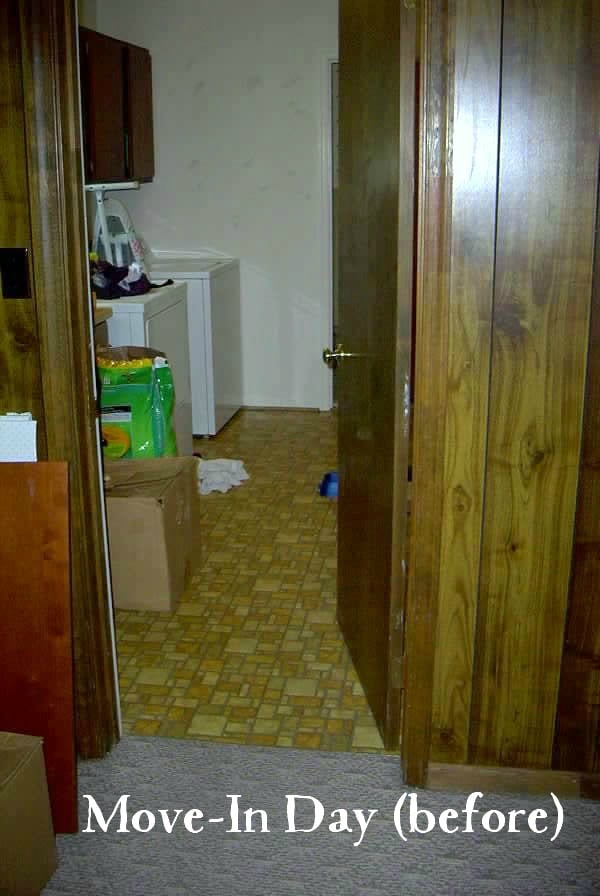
(27, 847)
(149, 509)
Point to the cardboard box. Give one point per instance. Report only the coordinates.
(27, 848)
(149, 509)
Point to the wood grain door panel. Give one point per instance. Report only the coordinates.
(371, 385)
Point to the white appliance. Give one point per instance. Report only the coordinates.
(215, 334)
(158, 319)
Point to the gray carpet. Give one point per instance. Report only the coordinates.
(160, 773)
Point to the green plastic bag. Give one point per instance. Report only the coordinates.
(137, 401)
(131, 413)
(166, 389)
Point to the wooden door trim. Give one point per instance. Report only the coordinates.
(59, 262)
(431, 365)
(404, 348)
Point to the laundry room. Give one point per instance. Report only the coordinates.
(238, 105)
(233, 202)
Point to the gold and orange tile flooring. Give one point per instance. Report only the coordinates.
(253, 654)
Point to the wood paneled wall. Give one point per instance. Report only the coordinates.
(45, 340)
(511, 131)
(577, 741)
(472, 205)
(545, 243)
(60, 274)
(20, 374)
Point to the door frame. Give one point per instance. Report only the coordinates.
(60, 276)
(407, 233)
(329, 60)
(48, 31)
(433, 246)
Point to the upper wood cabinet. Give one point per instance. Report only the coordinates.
(116, 85)
(139, 150)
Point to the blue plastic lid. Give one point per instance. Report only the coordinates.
(329, 485)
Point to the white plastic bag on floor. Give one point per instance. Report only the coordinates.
(220, 475)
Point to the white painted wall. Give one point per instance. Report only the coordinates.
(238, 113)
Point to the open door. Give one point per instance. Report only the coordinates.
(376, 228)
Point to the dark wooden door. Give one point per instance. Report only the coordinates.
(376, 192)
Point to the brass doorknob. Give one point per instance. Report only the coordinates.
(332, 357)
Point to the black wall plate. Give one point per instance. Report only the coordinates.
(14, 274)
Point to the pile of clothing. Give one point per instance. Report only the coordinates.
(220, 475)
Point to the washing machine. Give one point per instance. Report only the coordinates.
(214, 326)
(158, 319)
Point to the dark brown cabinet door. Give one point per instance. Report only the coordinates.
(116, 85)
(103, 107)
(139, 147)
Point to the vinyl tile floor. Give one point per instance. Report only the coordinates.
(253, 654)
